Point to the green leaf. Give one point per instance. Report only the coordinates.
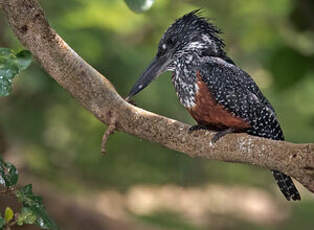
(8, 174)
(43, 220)
(2, 172)
(12, 176)
(139, 6)
(27, 216)
(7, 72)
(2, 222)
(24, 59)
(5, 52)
(38, 216)
(10, 65)
(28, 199)
(34, 209)
(8, 214)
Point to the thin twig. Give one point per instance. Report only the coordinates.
(110, 130)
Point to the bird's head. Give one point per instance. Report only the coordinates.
(188, 35)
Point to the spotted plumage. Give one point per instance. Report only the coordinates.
(208, 112)
(216, 92)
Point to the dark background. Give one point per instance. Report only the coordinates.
(55, 143)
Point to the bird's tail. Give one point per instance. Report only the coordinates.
(286, 185)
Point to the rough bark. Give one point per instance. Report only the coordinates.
(97, 95)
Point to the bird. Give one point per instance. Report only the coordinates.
(217, 93)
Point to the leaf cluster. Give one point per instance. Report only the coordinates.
(11, 64)
(32, 211)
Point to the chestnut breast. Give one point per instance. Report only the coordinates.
(207, 111)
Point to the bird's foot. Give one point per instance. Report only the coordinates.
(197, 127)
(216, 137)
(220, 134)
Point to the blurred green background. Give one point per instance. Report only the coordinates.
(140, 185)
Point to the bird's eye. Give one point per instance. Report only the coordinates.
(171, 42)
(165, 46)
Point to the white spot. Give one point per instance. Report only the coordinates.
(195, 45)
(2, 181)
(164, 46)
(189, 58)
(255, 98)
(206, 38)
(140, 86)
(147, 5)
(41, 222)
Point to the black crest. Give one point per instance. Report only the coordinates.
(192, 27)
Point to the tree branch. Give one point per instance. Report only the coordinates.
(96, 94)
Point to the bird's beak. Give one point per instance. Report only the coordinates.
(157, 67)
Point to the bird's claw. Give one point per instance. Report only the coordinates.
(220, 134)
(197, 127)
